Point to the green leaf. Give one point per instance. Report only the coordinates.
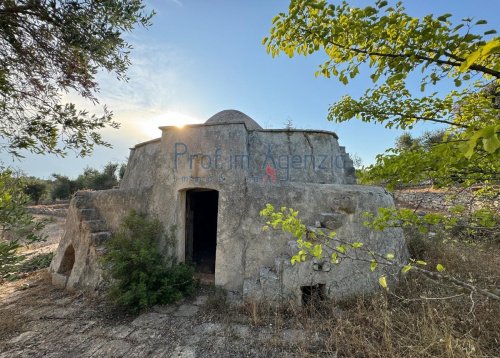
(390, 256)
(443, 17)
(317, 251)
(439, 268)
(357, 245)
(481, 53)
(406, 268)
(341, 248)
(383, 282)
(373, 265)
(420, 262)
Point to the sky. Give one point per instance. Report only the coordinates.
(200, 57)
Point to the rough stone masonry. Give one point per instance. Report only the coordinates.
(210, 181)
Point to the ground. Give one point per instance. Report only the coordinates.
(39, 320)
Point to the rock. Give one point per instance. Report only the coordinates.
(186, 310)
(200, 300)
(184, 352)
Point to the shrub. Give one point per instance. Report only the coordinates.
(140, 276)
(17, 225)
(37, 262)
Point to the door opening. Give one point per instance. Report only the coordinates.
(201, 229)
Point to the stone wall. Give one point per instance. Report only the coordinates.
(440, 200)
(247, 167)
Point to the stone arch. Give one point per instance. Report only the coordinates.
(67, 261)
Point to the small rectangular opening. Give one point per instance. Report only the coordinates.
(312, 295)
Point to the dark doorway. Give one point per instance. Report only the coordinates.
(201, 229)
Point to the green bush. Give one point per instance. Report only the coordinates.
(140, 276)
(37, 262)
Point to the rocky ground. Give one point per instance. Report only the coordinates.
(38, 320)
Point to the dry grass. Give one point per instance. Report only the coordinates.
(418, 318)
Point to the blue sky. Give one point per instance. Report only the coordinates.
(201, 57)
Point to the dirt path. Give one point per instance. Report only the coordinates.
(38, 320)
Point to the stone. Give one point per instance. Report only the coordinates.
(241, 330)
(184, 352)
(200, 300)
(293, 336)
(115, 348)
(120, 332)
(164, 309)
(208, 328)
(217, 177)
(59, 280)
(186, 310)
(23, 337)
(150, 320)
(332, 221)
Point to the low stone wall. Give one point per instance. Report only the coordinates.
(57, 210)
(440, 200)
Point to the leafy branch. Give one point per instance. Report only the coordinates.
(319, 244)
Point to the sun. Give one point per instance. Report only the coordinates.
(149, 127)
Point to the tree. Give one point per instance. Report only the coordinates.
(95, 180)
(63, 187)
(52, 47)
(392, 46)
(91, 178)
(405, 141)
(16, 224)
(35, 189)
(121, 171)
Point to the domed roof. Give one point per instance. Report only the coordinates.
(232, 116)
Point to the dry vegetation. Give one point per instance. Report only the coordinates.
(417, 318)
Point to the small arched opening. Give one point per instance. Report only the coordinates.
(67, 262)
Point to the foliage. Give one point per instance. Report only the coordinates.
(393, 47)
(49, 48)
(16, 223)
(140, 275)
(93, 179)
(62, 187)
(431, 159)
(121, 171)
(35, 189)
(36, 262)
(324, 244)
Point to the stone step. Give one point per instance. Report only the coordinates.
(81, 200)
(88, 214)
(99, 238)
(95, 225)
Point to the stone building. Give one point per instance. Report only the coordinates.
(210, 181)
